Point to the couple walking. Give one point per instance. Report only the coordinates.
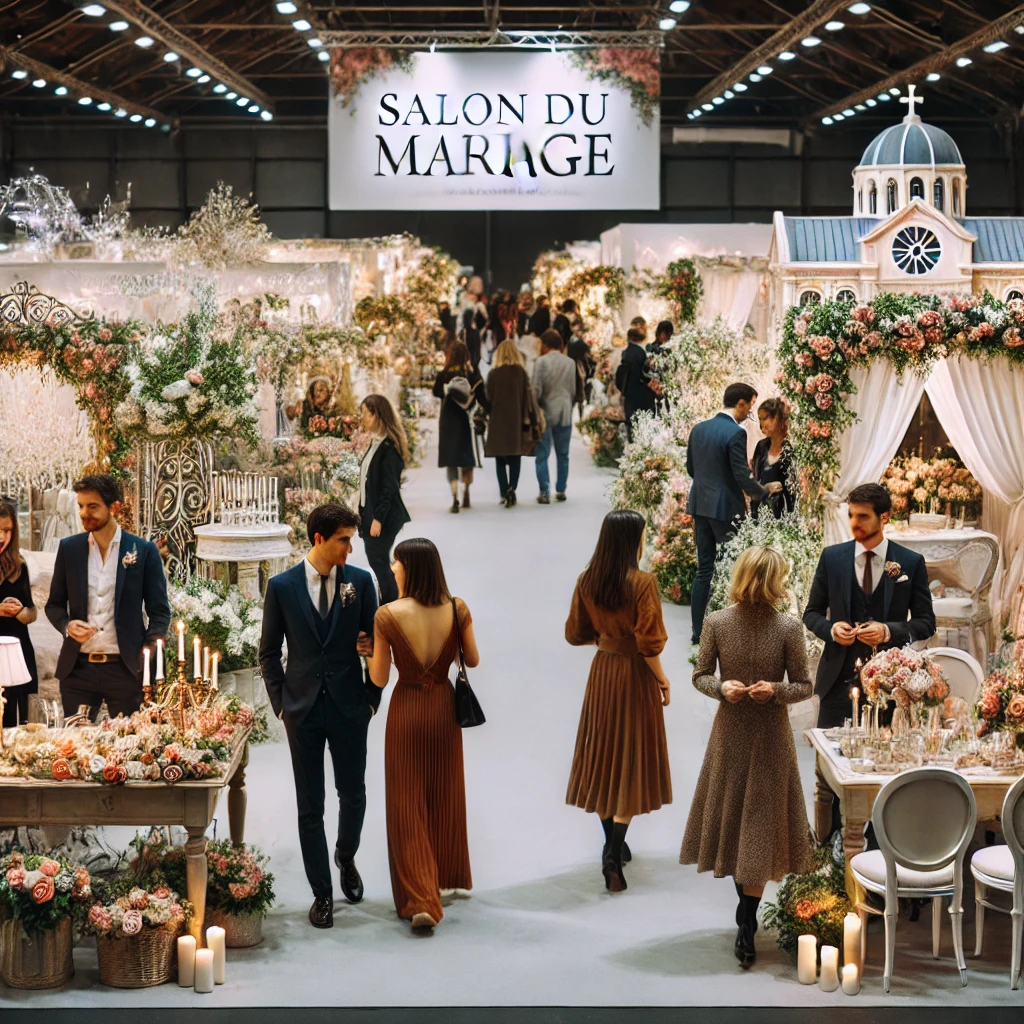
(326, 611)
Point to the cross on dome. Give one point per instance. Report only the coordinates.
(911, 100)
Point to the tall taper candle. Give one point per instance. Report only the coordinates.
(186, 961)
(145, 666)
(195, 658)
(204, 970)
(215, 940)
(181, 640)
(206, 662)
(855, 697)
(159, 660)
(807, 959)
(216, 662)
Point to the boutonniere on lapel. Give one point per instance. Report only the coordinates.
(348, 595)
(894, 569)
(130, 557)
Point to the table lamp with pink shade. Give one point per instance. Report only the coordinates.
(13, 670)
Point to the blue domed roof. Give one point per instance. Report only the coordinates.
(912, 142)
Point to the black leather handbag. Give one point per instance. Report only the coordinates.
(467, 708)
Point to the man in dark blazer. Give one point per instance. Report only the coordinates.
(102, 580)
(716, 459)
(867, 594)
(324, 609)
(633, 380)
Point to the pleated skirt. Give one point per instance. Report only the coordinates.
(425, 793)
(620, 767)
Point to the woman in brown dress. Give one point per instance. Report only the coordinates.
(748, 817)
(425, 789)
(620, 767)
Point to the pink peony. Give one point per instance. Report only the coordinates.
(194, 377)
(823, 347)
(15, 877)
(905, 326)
(929, 318)
(49, 867)
(825, 382)
(131, 923)
(864, 314)
(875, 340)
(823, 401)
(804, 360)
(983, 330)
(99, 918)
(106, 334)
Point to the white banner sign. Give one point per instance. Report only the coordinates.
(491, 131)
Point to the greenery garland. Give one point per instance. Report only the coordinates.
(384, 314)
(823, 342)
(612, 279)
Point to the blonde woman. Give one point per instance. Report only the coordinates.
(748, 819)
(509, 400)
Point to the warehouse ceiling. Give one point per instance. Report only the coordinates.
(724, 62)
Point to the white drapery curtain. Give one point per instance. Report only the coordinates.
(730, 294)
(884, 406)
(980, 404)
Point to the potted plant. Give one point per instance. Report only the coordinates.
(137, 925)
(40, 895)
(239, 891)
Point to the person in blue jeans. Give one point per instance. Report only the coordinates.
(555, 383)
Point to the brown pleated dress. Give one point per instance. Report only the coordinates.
(620, 767)
(425, 787)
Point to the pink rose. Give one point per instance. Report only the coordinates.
(87, 365)
(49, 867)
(905, 326)
(194, 377)
(42, 891)
(983, 330)
(106, 334)
(176, 910)
(1012, 338)
(874, 339)
(865, 314)
(804, 360)
(823, 347)
(161, 892)
(825, 382)
(15, 877)
(929, 318)
(131, 923)
(99, 918)
(823, 401)
(934, 334)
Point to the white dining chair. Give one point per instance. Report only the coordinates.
(1002, 868)
(962, 670)
(923, 819)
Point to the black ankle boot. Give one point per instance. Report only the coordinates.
(614, 879)
(739, 905)
(745, 951)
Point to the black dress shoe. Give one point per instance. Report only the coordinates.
(321, 914)
(351, 882)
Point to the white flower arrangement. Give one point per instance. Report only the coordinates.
(223, 617)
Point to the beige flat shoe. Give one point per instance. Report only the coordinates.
(423, 921)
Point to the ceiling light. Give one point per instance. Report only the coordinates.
(120, 112)
(837, 117)
(849, 112)
(231, 96)
(859, 106)
(667, 24)
(706, 106)
(241, 101)
(135, 118)
(884, 97)
(220, 87)
(171, 56)
(810, 41)
(85, 101)
(859, 8)
(325, 56)
(679, 6)
(301, 25)
(254, 109)
(834, 26)
(698, 113)
(787, 55)
(996, 46)
(193, 72)
(286, 7)
(39, 83)
(19, 74)
(94, 10)
(315, 43)
(740, 87)
(266, 115)
(144, 41)
(689, 117)
(764, 69)
(61, 90)
(894, 91)
(150, 122)
(203, 79)
(827, 120)
(103, 106)
(728, 94)
(755, 77)
(933, 77)
(871, 103)
(718, 101)
(962, 62)
(118, 26)
(1019, 30)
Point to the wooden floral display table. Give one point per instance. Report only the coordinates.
(857, 792)
(191, 804)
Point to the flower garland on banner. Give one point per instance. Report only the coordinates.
(635, 70)
(823, 342)
(351, 67)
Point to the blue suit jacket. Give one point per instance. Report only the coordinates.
(141, 584)
(313, 664)
(716, 459)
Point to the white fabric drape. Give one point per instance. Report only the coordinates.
(884, 405)
(730, 294)
(980, 404)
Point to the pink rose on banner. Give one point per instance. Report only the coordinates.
(823, 401)
(131, 923)
(194, 377)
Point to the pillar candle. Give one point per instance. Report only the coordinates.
(186, 961)
(851, 940)
(181, 640)
(159, 660)
(206, 662)
(204, 970)
(216, 661)
(145, 666)
(215, 942)
(807, 959)
(855, 696)
(851, 979)
(195, 657)
(829, 979)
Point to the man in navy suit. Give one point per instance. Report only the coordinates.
(634, 381)
(102, 580)
(324, 609)
(716, 459)
(867, 594)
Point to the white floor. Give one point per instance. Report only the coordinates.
(540, 928)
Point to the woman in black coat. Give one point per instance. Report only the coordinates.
(456, 451)
(509, 401)
(773, 458)
(382, 512)
(16, 612)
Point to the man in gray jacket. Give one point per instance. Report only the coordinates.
(554, 386)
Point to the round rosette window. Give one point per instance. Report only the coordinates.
(916, 250)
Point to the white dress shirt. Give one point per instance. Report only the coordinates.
(860, 559)
(102, 589)
(364, 468)
(313, 584)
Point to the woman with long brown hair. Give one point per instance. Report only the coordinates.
(382, 513)
(457, 386)
(425, 789)
(620, 768)
(510, 402)
(16, 612)
(773, 458)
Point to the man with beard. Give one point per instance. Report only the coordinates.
(102, 581)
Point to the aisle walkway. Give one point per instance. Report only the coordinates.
(540, 928)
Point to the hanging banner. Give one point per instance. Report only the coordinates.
(498, 131)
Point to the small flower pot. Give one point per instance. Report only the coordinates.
(240, 930)
(35, 961)
(138, 961)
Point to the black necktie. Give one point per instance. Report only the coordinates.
(323, 606)
(868, 582)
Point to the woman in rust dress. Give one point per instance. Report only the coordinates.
(423, 773)
(748, 817)
(620, 768)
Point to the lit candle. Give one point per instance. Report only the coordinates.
(829, 979)
(855, 696)
(851, 979)
(206, 662)
(215, 942)
(145, 667)
(204, 970)
(181, 640)
(186, 961)
(159, 660)
(807, 959)
(216, 661)
(851, 940)
(195, 657)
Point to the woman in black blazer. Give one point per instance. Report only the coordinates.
(382, 512)
(773, 458)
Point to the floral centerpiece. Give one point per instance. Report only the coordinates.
(674, 561)
(908, 677)
(1000, 708)
(225, 619)
(604, 431)
(919, 485)
(128, 914)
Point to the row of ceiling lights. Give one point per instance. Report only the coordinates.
(934, 76)
(808, 42)
(88, 101)
(303, 25)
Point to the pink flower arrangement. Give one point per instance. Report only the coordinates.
(822, 347)
(983, 330)
(863, 314)
(823, 401)
(1013, 338)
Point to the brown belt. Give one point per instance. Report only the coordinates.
(625, 645)
(99, 659)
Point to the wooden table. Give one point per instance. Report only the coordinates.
(857, 792)
(191, 804)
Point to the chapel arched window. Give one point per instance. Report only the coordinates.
(916, 188)
(810, 298)
(956, 197)
(860, 200)
(938, 198)
(1014, 293)
(846, 295)
(890, 196)
(872, 198)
